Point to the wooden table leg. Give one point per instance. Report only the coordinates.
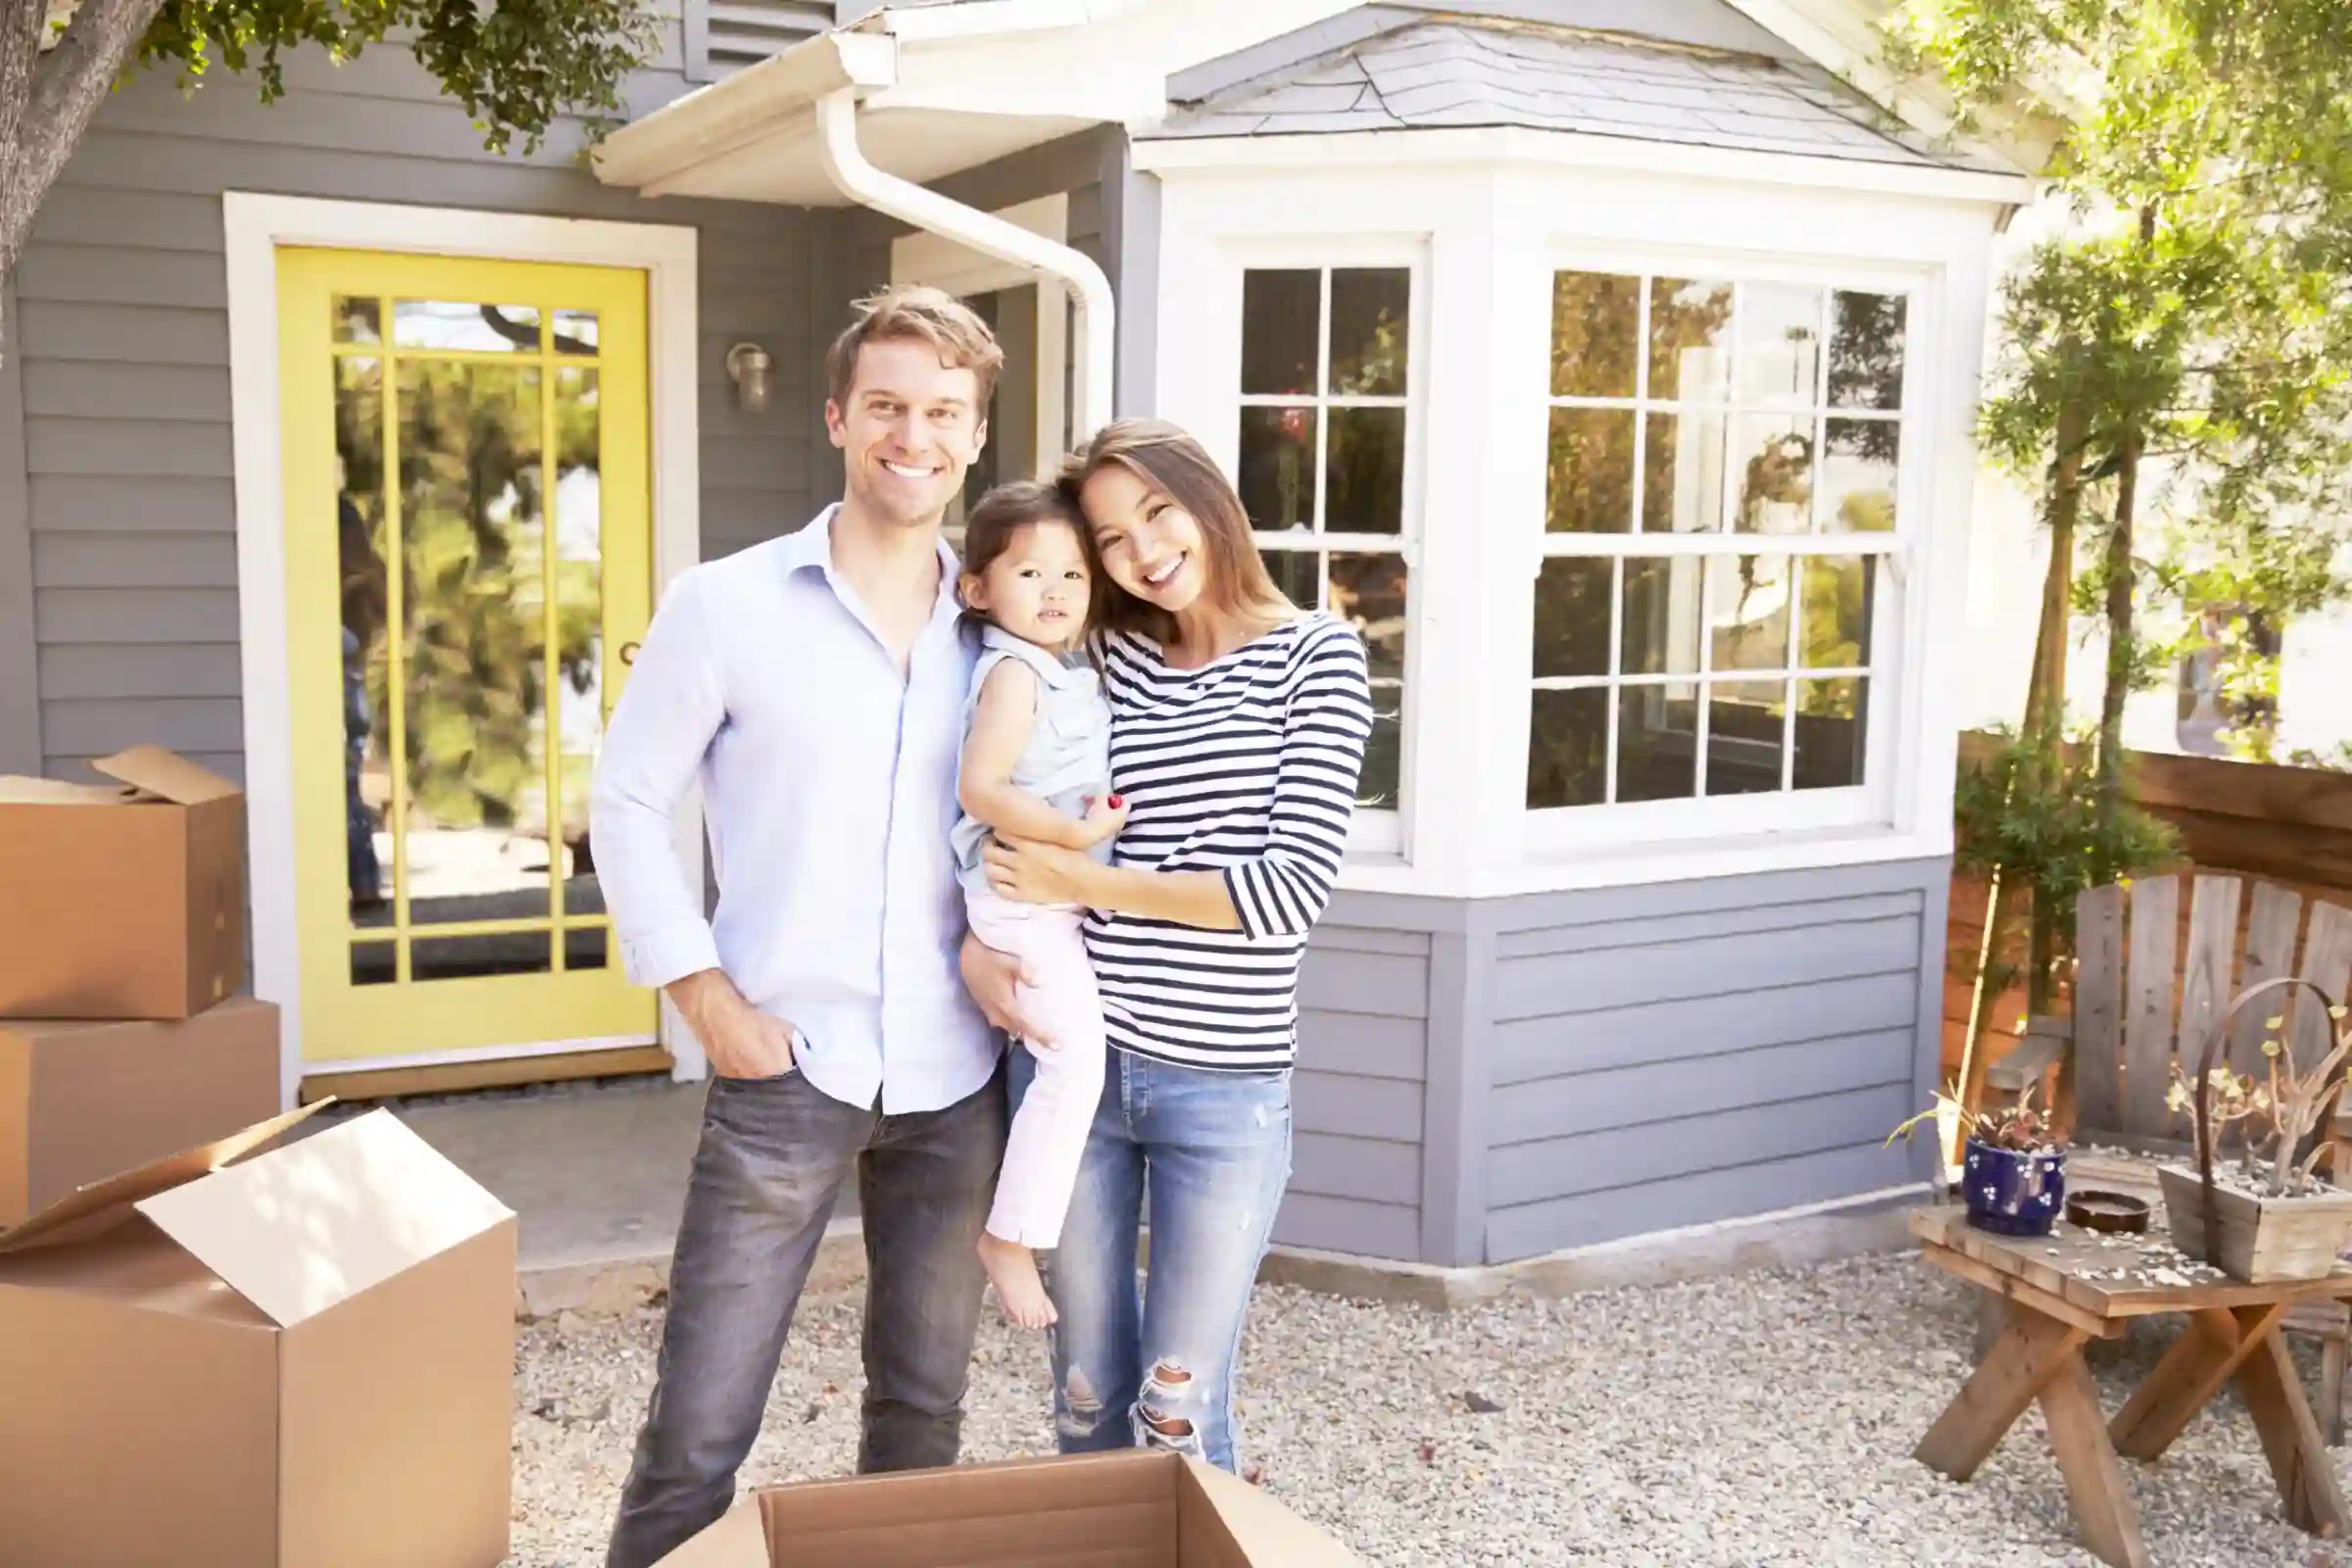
(2216, 1343)
(2104, 1511)
(2290, 1436)
(2031, 1351)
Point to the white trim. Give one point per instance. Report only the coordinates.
(1641, 865)
(253, 228)
(938, 259)
(327, 1070)
(1492, 146)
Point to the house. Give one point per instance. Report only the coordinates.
(1610, 364)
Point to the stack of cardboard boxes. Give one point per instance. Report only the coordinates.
(221, 1342)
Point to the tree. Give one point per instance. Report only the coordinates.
(516, 67)
(2179, 355)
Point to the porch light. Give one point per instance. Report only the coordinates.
(747, 364)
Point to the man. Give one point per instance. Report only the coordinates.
(816, 685)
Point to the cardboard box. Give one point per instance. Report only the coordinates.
(1132, 1509)
(297, 1358)
(81, 1101)
(121, 901)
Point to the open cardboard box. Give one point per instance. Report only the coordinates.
(126, 899)
(1138, 1508)
(80, 1098)
(294, 1358)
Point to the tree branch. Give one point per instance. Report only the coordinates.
(67, 86)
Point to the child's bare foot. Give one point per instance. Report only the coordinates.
(1012, 1270)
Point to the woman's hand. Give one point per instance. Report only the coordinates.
(1027, 871)
(994, 980)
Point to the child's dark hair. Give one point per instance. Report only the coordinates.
(1000, 516)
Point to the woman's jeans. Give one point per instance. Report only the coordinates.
(1153, 1367)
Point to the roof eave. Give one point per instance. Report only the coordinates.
(1525, 145)
(714, 120)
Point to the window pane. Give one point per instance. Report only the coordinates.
(362, 542)
(1661, 616)
(1775, 454)
(1365, 469)
(1681, 474)
(1857, 475)
(1277, 467)
(456, 957)
(1368, 317)
(1838, 604)
(1377, 785)
(1831, 715)
(579, 620)
(1568, 734)
(1572, 616)
(1744, 736)
(1281, 311)
(1689, 340)
(575, 332)
(1657, 742)
(1747, 611)
(357, 321)
(1595, 327)
(1866, 350)
(1370, 590)
(1779, 344)
(461, 325)
(1297, 573)
(1589, 481)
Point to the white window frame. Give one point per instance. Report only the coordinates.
(1661, 824)
(1375, 831)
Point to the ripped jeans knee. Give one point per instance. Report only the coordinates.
(1081, 1412)
(1166, 1415)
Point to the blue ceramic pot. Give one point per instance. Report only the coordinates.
(2013, 1194)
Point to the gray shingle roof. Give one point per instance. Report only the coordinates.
(1458, 73)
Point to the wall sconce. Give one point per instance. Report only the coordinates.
(747, 364)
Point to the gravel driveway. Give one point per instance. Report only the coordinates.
(1757, 1418)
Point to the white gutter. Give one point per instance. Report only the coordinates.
(861, 181)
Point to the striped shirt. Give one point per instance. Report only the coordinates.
(1248, 766)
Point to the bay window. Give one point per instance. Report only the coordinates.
(1721, 496)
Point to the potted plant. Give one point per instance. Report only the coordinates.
(2269, 1217)
(2013, 1163)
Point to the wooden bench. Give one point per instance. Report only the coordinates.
(2141, 997)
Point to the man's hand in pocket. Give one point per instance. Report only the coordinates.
(740, 1040)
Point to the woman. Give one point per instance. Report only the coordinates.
(1239, 724)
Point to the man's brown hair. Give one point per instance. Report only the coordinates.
(916, 312)
(1167, 458)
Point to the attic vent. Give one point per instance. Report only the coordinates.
(722, 36)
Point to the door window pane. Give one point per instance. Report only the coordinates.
(362, 556)
(459, 325)
(575, 332)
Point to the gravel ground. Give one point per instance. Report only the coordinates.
(1761, 1418)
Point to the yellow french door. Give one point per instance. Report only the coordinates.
(468, 570)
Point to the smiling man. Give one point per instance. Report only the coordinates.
(815, 687)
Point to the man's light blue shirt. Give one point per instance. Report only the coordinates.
(828, 790)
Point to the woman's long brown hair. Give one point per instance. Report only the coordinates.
(1166, 459)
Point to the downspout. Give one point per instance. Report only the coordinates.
(860, 180)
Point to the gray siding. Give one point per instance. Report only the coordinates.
(1675, 1054)
(120, 337)
(1357, 1101)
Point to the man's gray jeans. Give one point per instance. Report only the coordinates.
(775, 1153)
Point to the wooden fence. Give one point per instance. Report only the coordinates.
(2288, 825)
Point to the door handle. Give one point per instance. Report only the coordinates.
(628, 652)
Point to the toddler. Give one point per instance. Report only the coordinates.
(1036, 765)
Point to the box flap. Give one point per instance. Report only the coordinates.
(166, 775)
(739, 1539)
(17, 789)
(91, 1209)
(1264, 1530)
(304, 1227)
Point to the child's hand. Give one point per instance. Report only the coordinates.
(1105, 817)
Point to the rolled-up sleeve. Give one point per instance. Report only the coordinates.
(661, 729)
(1327, 721)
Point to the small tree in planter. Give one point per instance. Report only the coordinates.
(2013, 1170)
(2271, 1218)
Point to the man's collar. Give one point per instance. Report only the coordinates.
(813, 546)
